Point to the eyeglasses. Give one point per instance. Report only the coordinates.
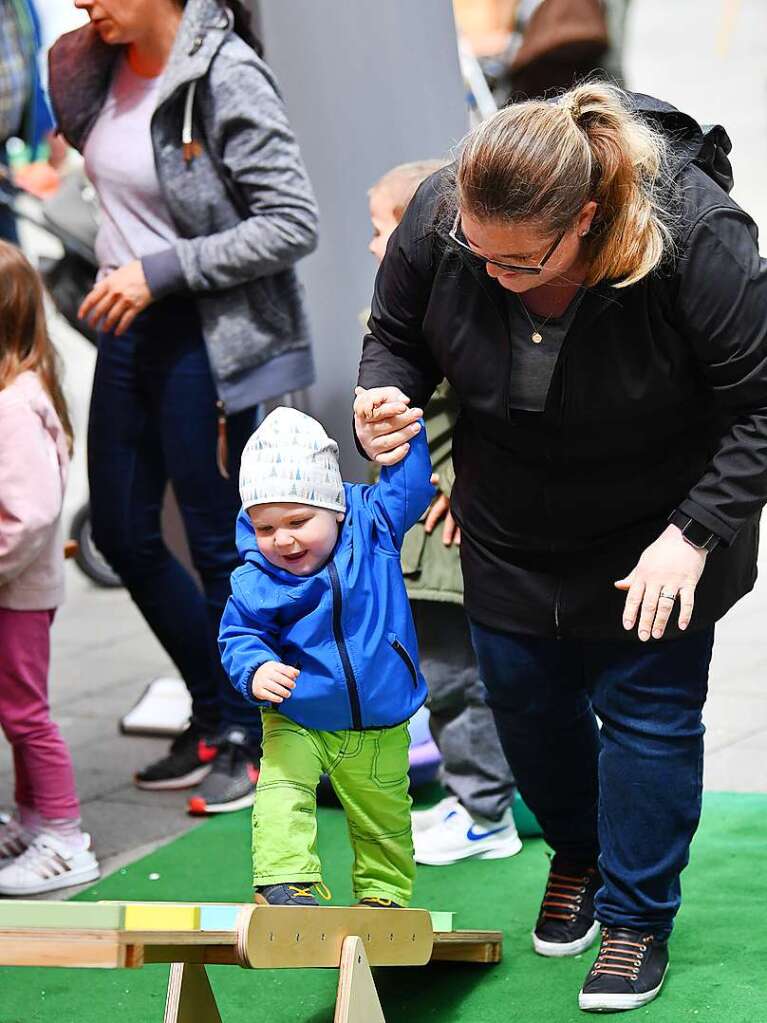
(508, 267)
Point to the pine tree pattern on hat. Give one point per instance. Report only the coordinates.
(290, 459)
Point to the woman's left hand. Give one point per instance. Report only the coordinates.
(669, 569)
(440, 509)
(115, 301)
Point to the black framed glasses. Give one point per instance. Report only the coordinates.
(508, 267)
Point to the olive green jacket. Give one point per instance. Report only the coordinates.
(433, 571)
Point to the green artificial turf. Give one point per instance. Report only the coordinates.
(718, 954)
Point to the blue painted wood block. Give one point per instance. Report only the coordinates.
(218, 918)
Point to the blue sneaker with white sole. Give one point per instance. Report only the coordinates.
(459, 836)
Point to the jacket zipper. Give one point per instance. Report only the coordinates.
(351, 681)
(399, 648)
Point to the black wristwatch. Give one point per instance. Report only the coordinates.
(695, 534)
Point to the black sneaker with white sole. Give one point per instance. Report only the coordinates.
(298, 894)
(566, 924)
(628, 972)
(231, 784)
(190, 759)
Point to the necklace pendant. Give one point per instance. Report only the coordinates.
(536, 338)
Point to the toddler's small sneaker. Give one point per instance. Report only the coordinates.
(459, 836)
(422, 820)
(190, 759)
(14, 840)
(48, 865)
(628, 972)
(566, 924)
(231, 784)
(376, 903)
(299, 894)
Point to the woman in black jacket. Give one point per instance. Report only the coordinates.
(598, 303)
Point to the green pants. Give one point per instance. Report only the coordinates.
(369, 773)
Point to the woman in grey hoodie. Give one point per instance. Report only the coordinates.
(206, 208)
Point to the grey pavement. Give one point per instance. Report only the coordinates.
(103, 655)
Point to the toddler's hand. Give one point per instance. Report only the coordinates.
(274, 681)
(384, 424)
(368, 402)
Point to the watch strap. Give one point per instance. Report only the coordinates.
(697, 535)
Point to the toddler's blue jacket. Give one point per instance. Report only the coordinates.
(348, 628)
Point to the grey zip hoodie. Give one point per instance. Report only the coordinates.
(237, 191)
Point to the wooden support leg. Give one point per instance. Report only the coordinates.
(190, 998)
(357, 1000)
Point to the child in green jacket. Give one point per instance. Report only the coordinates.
(475, 818)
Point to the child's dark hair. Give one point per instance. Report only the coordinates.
(24, 341)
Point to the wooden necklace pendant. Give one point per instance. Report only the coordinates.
(536, 338)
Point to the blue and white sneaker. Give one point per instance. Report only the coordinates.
(422, 820)
(459, 836)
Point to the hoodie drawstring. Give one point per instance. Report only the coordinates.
(222, 445)
(190, 146)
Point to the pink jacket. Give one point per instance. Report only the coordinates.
(33, 472)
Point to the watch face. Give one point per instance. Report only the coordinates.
(698, 535)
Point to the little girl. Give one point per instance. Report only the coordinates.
(42, 847)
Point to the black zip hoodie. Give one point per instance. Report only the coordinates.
(658, 402)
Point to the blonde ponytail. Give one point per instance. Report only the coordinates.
(543, 161)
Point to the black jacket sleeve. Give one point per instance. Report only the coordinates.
(722, 310)
(394, 352)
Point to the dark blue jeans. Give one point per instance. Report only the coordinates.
(153, 418)
(629, 794)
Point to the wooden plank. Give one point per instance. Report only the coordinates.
(190, 998)
(20, 914)
(277, 937)
(146, 917)
(357, 1000)
(468, 947)
(212, 955)
(101, 949)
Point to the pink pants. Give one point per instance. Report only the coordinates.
(45, 779)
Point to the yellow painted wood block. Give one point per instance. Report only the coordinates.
(161, 917)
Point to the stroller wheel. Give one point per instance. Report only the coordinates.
(88, 557)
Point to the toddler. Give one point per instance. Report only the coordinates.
(318, 632)
(42, 847)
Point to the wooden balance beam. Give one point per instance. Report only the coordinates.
(131, 935)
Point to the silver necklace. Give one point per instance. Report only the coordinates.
(536, 337)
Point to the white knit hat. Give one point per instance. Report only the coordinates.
(291, 459)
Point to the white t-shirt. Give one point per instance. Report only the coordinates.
(119, 161)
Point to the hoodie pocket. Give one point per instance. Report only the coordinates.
(405, 657)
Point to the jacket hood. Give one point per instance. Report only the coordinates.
(707, 145)
(81, 66)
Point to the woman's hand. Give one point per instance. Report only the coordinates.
(115, 301)
(440, 509)
(384, 424)
(668, 569)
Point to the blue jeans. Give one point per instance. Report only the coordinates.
(630, 794)
(153, 418)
